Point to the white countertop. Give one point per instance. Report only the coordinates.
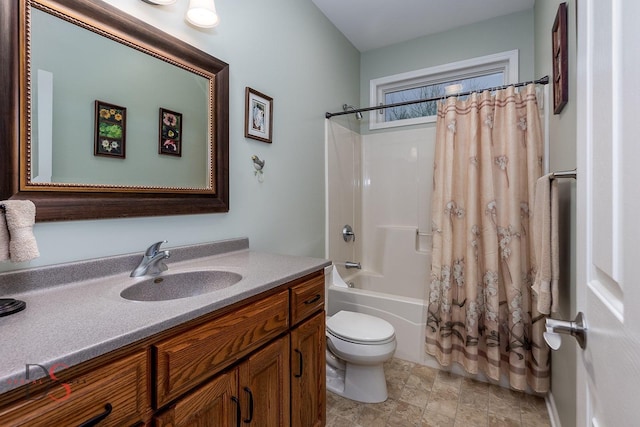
(75, 322)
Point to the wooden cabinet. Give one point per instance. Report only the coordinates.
(257, 364)
(281, 384)
(187, 359)
(308, 403)
(254, 393)
(306, 298)
(264, 386)
(308, 378)
(117, 391)
(214, 404)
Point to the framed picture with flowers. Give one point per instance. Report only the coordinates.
(110, 130)
(170, 141)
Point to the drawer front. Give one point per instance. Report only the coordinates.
(188, 359)
(307, 298)
(71, 402)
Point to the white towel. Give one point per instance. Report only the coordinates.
(4, 237)
(20, 216)
(545, 242)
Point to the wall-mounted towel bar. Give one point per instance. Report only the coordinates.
(565, 174)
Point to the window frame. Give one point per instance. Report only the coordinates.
(506, 62)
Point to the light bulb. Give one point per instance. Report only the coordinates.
(202, 13)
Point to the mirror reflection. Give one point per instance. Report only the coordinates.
(112, 117)
(105, 114)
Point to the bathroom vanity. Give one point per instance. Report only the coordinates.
(251, 354)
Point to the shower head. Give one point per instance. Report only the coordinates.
(346, 107)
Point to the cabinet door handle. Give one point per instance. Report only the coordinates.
(314, 299)
(300, 362)
(95, 420)
(238, 411)
(248, 420)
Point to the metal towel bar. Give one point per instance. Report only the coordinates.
(565, 174)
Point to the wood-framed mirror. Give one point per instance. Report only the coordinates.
(105, 116)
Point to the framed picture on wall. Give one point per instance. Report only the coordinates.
(560, 59)
(170, 134)
(258, 116)
(110, 130)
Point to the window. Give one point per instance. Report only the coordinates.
(470, 75)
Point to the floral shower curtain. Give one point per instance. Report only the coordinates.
(481, 311)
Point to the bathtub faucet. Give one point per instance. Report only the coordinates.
(351, 264)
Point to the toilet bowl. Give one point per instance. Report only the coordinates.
(357, 346)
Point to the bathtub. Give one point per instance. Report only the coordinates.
(406, 311)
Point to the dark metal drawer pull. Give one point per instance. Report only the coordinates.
(238, 412)
(314, 299)
(95, 420)
(248, 420)
(300, 362)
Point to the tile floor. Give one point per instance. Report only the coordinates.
(425, 397)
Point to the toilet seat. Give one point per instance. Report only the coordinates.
(360, 328)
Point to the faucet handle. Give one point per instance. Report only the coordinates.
(348, 234)
(153, 249)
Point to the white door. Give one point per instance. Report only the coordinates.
(608, 211)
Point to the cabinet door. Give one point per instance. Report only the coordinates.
(215, 404)
(308, 403)
(264, 386)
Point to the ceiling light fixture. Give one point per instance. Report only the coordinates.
(161, 2)
(201, 13)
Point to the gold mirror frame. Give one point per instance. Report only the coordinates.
(74, 202)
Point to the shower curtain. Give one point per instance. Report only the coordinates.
(481, 310)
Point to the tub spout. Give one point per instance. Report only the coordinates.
(351, 264)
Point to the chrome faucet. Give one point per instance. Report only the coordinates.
(151, 263)
(351, 264)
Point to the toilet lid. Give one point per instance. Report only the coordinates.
(359, 327)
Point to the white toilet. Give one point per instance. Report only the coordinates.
(357, 346)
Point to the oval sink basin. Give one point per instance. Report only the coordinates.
(180, 285)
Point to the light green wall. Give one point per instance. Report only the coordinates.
(286, 49)
(496, 35)
(562, 156)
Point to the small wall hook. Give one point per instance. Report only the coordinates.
(258, 165)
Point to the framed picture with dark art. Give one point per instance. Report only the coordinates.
(560, 59)
(110, 130)
(170, 140)
(258, 116)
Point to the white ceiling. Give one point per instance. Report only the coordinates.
(370, 24)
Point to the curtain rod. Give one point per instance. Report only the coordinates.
(543, 81)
